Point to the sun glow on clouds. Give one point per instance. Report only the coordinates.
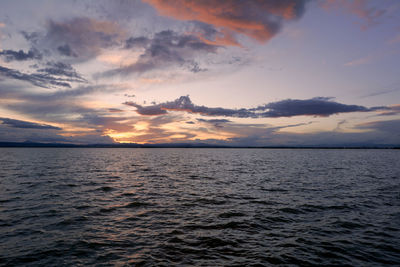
(95, 77)
(119, 58)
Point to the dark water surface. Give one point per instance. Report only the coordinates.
(201, 207)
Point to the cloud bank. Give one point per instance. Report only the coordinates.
(318, 106)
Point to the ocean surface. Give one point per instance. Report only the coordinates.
(199, 207)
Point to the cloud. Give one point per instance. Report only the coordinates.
(66, 50)
(256, 19)
(379, 133)
(359, 61)
(185, 104)
(80, 38)
(390, 126)
(115, 110)
(391, 110)
(215, 122)
(71, 112)
(37, 79)
(27, 124)
(62, 70)
(137, 42)
(12, 134)
(318, 106)
(165, 48)
(360, 8)
(154, 130)
(107, 122)
(339, 125)
(49, 97)
(11, 55)
(62, 106)
(381, 92)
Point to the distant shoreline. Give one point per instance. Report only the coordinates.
(183, 145)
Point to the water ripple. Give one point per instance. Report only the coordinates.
(199, 207)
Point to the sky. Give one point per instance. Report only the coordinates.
(232, 72)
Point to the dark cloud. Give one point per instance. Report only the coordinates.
(391, 110)
(137, 42)
(185, 104)
(37, 79)
(165, 48)
(12, 134)
(15, 92)
(79, 38)
(107, 122)
(257, 19)
(318, 106)
(63, 106)
(215, 122)
(54, 74)
(66, 50)
(62, 70)
(27, 124)
(11, 55)
(83, 36)
(115, 110)
(67, 111)
(390, 126)
(32, 37)
(379, 133)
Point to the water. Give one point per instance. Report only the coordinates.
(201, 207)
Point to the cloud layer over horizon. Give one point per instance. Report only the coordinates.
(106, 71)
(317, 106)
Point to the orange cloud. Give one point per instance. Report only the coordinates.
(256, 19)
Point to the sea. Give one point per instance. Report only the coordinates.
(199, 207)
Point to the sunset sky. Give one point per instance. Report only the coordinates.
(243, 73)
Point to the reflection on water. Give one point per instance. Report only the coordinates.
(202, 207)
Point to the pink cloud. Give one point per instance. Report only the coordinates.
(256, 19)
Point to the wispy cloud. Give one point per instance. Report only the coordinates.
(395, 39)
(27, 124)
(359, 61)
(363, 9)
(391, 126)
(37, 79)
(391, 110)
